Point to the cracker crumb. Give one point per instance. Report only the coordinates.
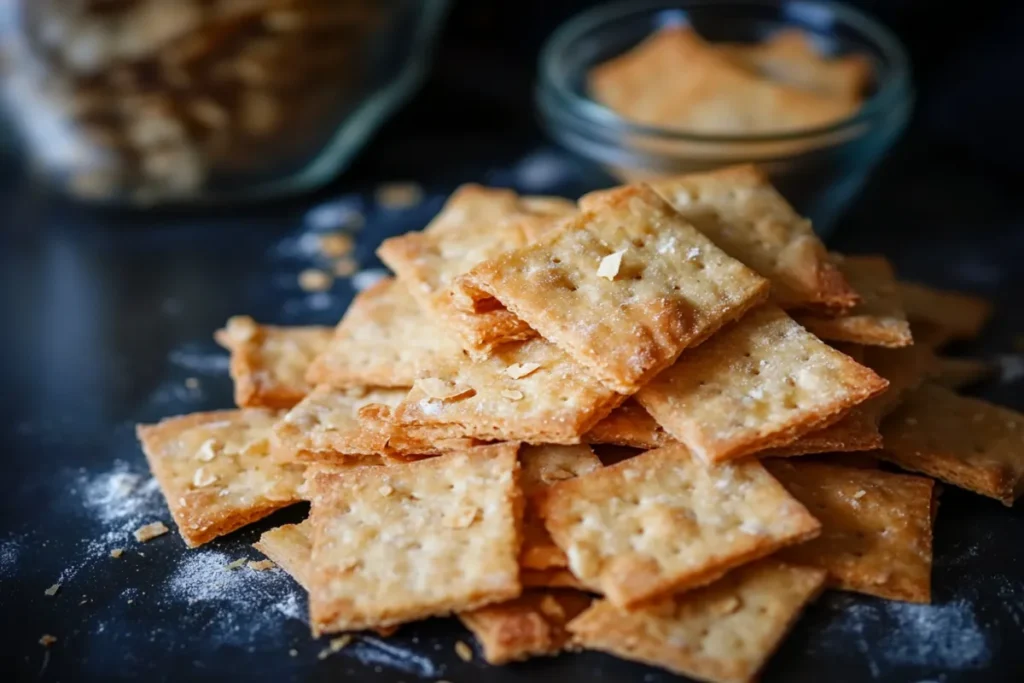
(261, 565)
(512, 395)
(345, 266)
(293, 652)
(47, 640)
(442, 390)
(207, 451)
(334, 645)
(314, 280)
(191, 383)
(231, 566)
(150, 531)
(520, 370)
(610, 264)
(201, 478)
(116, 553)
(399, 195)
(336, 244)
(52, 590)
(465, 652)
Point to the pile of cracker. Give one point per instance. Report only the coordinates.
(739, 384)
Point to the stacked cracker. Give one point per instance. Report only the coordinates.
(443, 431)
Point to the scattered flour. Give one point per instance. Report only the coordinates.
(10, 550)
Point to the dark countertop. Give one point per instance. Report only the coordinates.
(106, 314)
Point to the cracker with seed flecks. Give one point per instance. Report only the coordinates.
(477, 223)
(664, 522)
(216, 472)
(962, 441)
(555, 402)
(624, 289)
(740, 211)
(289, 546)
(876, 527)
(384, 340)
(541, 467)
(722, 633)
(951, 315)
(957, 373)
(531, 625)
(761, 383)
(268, 363)
(878, 320)
(397, 544)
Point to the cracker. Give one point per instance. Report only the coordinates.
(629, 425)
(876, 527)
(740, 211)
(541, 467)
(531, 625)
(674, 79)
(326, 425)
(962, 441)
(268, 363)
(957, 373)
(761, 383)
(559, 401)
(878, 320)
(722, 633)
(397, 544)
(672, 289)
(384, 340)
(955, 315)
(789, 56)
(550, 578)
(215, 471)
(289, 546)
(903, 368)
(663, 522)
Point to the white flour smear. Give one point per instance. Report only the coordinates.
(369, 650)
(10, 550)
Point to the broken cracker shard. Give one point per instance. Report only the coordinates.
(52, 590)
(610, 264)
(150, 531)
(465, 652)
(334, 645)
(47, 640)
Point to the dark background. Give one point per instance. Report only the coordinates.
(104, 314)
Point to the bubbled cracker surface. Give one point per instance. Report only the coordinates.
(722, 633)
(215, 471)
(396, 544)
(663, 522)
(672, 289)
(763, 382)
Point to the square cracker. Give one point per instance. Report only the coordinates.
(216, 472)
(763, 382)
(477, 223)
(878, 320)
(397, 544)
(674, 79)
(268, 363)
(953, 315)
(740, 211)
(876, 527)
(289, 546)
(962, 441)
(555, 402)
(663, 522)
(722, 633)
(384, 340)
(541, 467)
(531, 625)
(672, 289)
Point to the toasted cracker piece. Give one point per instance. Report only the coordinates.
(674, 79)
(957, 373)
(878, 320)
(559, 400)
(396, 544)
(954, 315)
(384, 340)
(740, 211)
(672, 289)
(268, 364)
(789, 56)
(216, 472)
(336, 424)
(476, 223)
(531, 625)
(876, 527)
(289, 546)
(722, 633)
(761, 383)
(550, 578)
(629, 425)
(966, 442)
(542, 466)
(663, 522)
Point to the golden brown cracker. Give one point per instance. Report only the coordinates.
(763, 382)
(629, 425)
(663, 522)
(876, 527)
(397, 544)
(855, 431)
(963, 441)
(289, 546)
(954, 315)
(722, 633)
(268, 363)
(215, 470)
(623, 289)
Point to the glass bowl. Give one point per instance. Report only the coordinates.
(205, 101)
(820, 170)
